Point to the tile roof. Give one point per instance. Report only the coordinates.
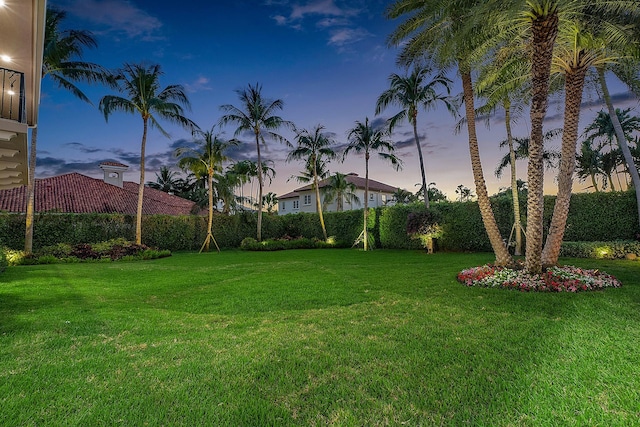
(359, 182)
(120, 165)
(77, 193)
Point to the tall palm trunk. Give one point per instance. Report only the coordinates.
(610, 179)
(365, 231)
(259, 233)
(594, 182)
(31, 194)
(318, 203)
(210, 219)
(503, 258)
(514, 181)
(545, 30)
(622, 141)
(574, 83)
(414, 121)
(141, 185)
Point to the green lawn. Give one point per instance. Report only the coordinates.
(312, 337)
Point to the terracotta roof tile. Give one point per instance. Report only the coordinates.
(115, 164)
(77, 193)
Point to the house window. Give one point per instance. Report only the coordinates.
(296, 204)
(384, 198)
(282, 206)
(307, 199)
(371, 197)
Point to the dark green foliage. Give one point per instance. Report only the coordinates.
(462, 227)
(3, 260)
(303, 224)
(592, 217)
(607, 250)
(602, 217)
(345, 226)
(251, 244)
(174, 232)
(111, 250)
(393, 226)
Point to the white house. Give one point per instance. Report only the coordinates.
(303, 199)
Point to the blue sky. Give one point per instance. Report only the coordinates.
(328, 60)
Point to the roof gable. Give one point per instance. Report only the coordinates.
(359, 182)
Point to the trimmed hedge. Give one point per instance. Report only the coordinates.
(608, 250)
(592, 217)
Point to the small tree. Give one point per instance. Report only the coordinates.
(206, 160)
(314, 147)
(363, 138)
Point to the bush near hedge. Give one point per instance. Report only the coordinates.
(111, 250)
(251, 244)
(608, 250)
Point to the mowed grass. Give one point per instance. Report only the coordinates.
(312, 337)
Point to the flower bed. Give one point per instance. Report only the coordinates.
(555, 279)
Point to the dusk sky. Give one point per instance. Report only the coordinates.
(328, 60)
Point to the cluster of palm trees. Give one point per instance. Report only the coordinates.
(600, 160)
(525, 47)
(518, 52)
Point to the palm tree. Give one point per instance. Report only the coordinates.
(464, 193)
(270, 200)
(314, 147)
(453, 35)
(581, 45)
(364, 138)
(505, 86)
(256, 115)
(588, 164)
(620, 133)
(403, 196)
(412, 93)
(435, 194)
(610, 162)
(520, 151)
(306, 176)
(166, 180)
(603, 128)
(141, 86)
(340, 190)
(226, 183)
(206, 160)
(62, 62)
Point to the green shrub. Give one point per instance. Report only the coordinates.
(592, 217)
(4, 262)
(60, 250)
(393, 226)
(154, 254)
(47, 259)
(608, 250)
(251, 244)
